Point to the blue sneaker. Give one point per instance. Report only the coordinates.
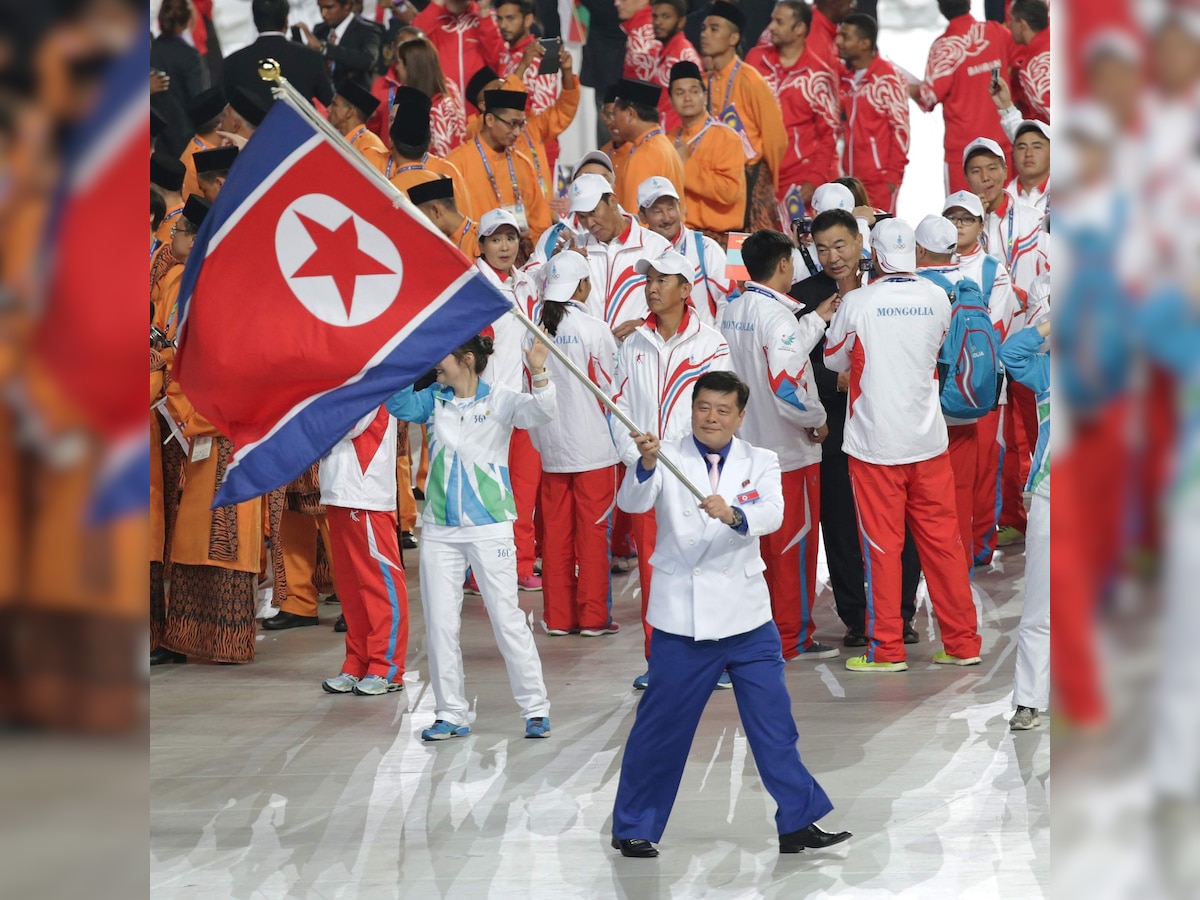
(537, 727)
(442, 730)
(724, 683)
(639, 683)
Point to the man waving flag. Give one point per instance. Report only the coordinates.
(308, 299)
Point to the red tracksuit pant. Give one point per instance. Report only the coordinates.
(792, 563)
(644, 528)
(964, 460)
(577, 508)
(919, 494)
(525, 472)
(370, 584)
(987, 486)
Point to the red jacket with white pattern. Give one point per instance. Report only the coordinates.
(875, 112)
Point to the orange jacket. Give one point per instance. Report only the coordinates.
(756, 108)
(651, 154)
(474, 158)
(409, 174)
(195, 145)
(367, 143)
(716, 176)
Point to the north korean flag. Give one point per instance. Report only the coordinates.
(308, 299)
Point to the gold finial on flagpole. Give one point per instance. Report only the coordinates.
(268, 70)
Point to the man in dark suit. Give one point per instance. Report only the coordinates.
(839, 248)
(349, 43)
(303, 67)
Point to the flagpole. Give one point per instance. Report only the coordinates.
(602, 397)
(282, 89)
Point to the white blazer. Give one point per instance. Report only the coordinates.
(708, 580)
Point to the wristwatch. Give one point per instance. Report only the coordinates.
(738, 519)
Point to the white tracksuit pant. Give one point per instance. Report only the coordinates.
(493, 562)
(1031, 684)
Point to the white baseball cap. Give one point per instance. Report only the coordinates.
(982, 143)
(586, 192)
(592, 156)
(653, 188)
(937, 235)
(964, 200)
(494, 218)
(832, 196)
(894, 246)
(1032, 125)
(564, 271)
(670, 263)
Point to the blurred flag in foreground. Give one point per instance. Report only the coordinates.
(81, 330)
(308, 299)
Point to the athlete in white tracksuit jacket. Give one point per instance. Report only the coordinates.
(579, 460)
(657, 366)
(360, 507)
(769, 350)
(468, 520)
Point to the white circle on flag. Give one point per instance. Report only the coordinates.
(343, 269)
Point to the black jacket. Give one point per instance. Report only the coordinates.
(355, 55)
(301, 65)
(812, 292)
(181, 62)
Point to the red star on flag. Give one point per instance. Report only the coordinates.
(338, 257)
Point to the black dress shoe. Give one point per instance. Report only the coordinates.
(910, 634)
(812, 837)
(854, 639)
(408, 540)
(635, 848)
(418, 494)
(332, 598)
(282, 620)
(161, 656)
(340, 624)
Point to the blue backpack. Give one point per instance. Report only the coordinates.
(969, 364)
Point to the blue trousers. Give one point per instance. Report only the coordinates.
(682, 674)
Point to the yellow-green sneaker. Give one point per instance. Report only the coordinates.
(942, 658)
(1007, 536)
(861, 664)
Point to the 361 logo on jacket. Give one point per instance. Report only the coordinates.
(308, 299)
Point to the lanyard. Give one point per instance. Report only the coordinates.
(1012, 209)
(728, 88)
(354, 137)
(646, 137)
(460, 235)
(408, 168)
(200, 145)
(492, 178)
(537, 166)
(695, 142)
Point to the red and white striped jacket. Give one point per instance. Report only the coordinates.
(808, 96)
(641, 47)
(957, 75)
(875, 111)
(675, 50)
(465, 42)
(655, 378)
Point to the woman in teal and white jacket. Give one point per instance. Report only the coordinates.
(468, 521)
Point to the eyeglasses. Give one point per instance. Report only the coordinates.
(175, 229)
(515, 126)
(962, 220)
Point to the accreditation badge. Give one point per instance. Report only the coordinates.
(518, 213)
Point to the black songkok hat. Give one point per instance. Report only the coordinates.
(683, 69)
(498, 100)
(252, 106)
(479, 81)
(196, 209)
(640, 92)
(219, 159)
(440, 188)
(359, 97)
(206, 106)
(730, 12)
(610, 94)
(411, 125)
(166, 171)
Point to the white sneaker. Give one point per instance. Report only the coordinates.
(342, 684)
